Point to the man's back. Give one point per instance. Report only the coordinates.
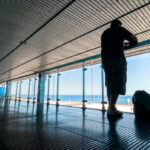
(114, 63)
(112, 42)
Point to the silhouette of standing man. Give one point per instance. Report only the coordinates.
(114, 62)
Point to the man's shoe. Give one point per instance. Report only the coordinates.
(114, 113)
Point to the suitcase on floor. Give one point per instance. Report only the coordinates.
(141, 102)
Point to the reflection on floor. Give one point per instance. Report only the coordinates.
(35, 126)
(121, 107)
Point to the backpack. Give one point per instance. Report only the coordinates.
(141, 101)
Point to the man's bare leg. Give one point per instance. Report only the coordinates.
(113, 100)
(112, 111)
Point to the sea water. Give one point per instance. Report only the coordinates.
(123, 99)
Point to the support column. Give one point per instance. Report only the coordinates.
(16, 90)
(102, 82)
(34, 98)
(57, 96)
(41, 88)
(10, 91)
(7, 93)
(48, 87)
(83, 94)
(20, 91)
(29, 89)
(3, 91)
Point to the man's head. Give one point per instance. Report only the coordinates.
(115, 23)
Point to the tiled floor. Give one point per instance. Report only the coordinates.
(34, 126)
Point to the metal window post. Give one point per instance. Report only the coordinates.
(29, 89)
(34, 90)
(20, 91)
(53, 87)
(41, 88)
(48, 87)
(16, 90)
(83, 94)
(102, 79)
(57, 96)
(8, 90)
(92, 82)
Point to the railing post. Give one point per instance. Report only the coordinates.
(83, 85)
(57, 96)
(102, 83)
(29, 89)
(34, 89)
(20, 91)
(16, 90)
(48, 87)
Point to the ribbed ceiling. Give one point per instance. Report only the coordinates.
(38, 35)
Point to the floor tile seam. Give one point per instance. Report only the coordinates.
(94, 121)
(74, 117)
(81, 119)
(16, 110)
(74, 107)
(134, 140)
(82, 135)
(86, 108)
(91, 120)
(69, 106)
(142, 145)
(16, 118)
(131, 133)
(134, 145)
(148, 145)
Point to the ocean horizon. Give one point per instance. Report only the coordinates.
(123, 99)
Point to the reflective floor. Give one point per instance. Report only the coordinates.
(34, 126)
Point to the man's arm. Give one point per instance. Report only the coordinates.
(130, 37)
(133, 40)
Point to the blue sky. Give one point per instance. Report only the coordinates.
(138, 73)
(138, 78)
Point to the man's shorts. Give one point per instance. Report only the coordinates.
(115, 75)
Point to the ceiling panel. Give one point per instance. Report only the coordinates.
(19, 19)
(72, 35)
